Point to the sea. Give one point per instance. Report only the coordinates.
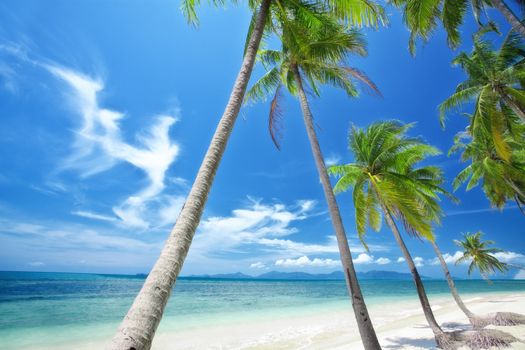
(40, 309)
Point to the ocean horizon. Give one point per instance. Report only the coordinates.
(46, 308)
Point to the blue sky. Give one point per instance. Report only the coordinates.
(106, 111)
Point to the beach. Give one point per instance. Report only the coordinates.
(79, 311)
(400, 325)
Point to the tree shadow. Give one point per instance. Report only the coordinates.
(402, 342)
(456, 325)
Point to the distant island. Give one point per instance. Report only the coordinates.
(304, 276)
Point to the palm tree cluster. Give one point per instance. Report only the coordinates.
(316, 40)
(493, 142)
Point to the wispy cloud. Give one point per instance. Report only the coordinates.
(480, 210)
(332, 159)
(268, 232)
(90, 215)
(64, 245)
(257, 265)
(99, 145)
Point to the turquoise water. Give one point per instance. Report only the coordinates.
(47, 308)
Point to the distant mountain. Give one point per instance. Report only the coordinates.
(336, 275)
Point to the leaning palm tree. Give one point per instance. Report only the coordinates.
(422, 17)
(473, 319)
(384, 178)
(501, 179)
(141, 321)
(479, 255)
(314, 51)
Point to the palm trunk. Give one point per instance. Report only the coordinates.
(513, 105)
(509, 16)
(442, 339)
(452, 286)
(138, 328)
(366, 328)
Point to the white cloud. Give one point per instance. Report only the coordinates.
(36, 263)
(305, 261)
(510, 257)
(90, 215)
(363, 258)
(383, 261)
(263, 225)
(332, 159)
(520, 275)
(400, 259)
(257, 265)
(99, 145)
(449, 259)
(419, 261)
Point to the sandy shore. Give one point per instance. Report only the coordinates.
(399, 325)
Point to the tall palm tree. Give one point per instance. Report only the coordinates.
(480, 255)
(384, 178)
(313, 52)
(140, 323)
(502, 179)
(423, 17)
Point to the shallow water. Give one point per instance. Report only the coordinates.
(47, 308)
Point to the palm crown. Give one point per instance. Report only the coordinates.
(502, 180)
(386, 175)
(494, 84)
(480, 255)
(356, 12)
(316, 45)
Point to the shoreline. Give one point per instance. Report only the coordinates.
(400, 324)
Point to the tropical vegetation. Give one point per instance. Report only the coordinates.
(386, 179)
(140, 323)
(422, 17)
(313, 52)
(480, 255)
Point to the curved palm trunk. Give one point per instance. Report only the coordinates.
(509, 16)
(442, 339)
(139, 325)
(452, 286)
(366, 328)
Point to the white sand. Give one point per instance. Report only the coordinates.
(400, 325)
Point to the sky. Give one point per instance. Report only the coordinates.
(106, 111)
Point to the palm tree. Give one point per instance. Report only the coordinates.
(502, 179)
(422, 17)
(494, 82)
(140, 323)
(313, 51)
(384, 179)
(480, 255)
(473, 319)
